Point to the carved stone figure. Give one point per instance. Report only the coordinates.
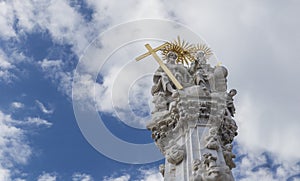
(175, 154)
(184, 114)
(160, 102)
(212, 139)
(228, 130)
(228, 156)
(218, 174)
(196, 165)
(220, 74)
(209, 160)
(229, 101)
(200, 75)
(162, 83)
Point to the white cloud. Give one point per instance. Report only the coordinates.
(25, 13)
(14, 147)
(9, 64)
(5, 174)
(19, 179)
(125, 177)
(259, 131)
(38, 122)
(70, 29)
(47, 64)
(113, 95)
(4, 64)
(81, 177)
(151, 174)
(30, 122)
(47, 177)
(6, 21)
(118, 12)
(17, 105)
(53, 69)
(43, 108)
(62, 21)
(123, 84)
(263, 166)
(5, 68)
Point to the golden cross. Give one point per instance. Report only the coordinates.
(160, 62)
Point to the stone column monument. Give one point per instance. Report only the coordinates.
(192, 120)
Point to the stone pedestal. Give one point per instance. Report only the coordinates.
(195, 133)
(193, 127)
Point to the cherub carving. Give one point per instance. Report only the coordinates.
(212, 139)
(228, 156)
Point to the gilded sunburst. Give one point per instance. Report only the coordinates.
(181, 48)
(203, 50)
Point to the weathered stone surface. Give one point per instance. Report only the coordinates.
(194, 127)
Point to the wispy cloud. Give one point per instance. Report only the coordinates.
(31, 122)
(54, 70)
(10, 59)
(37, 122)
(14, 146)
(17, 105)
(125, 177)
(15, 149)
(150, 174)
(43, 107)
(47, 177)
(6, 67)
(82, 177)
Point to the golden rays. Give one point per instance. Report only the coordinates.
(185, 52)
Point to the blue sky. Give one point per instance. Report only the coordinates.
(41, 43)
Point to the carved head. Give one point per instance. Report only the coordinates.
(200, 57)
(196, 164)
(232, 92)
(228, 147)
(172, 57)
(213, 131)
